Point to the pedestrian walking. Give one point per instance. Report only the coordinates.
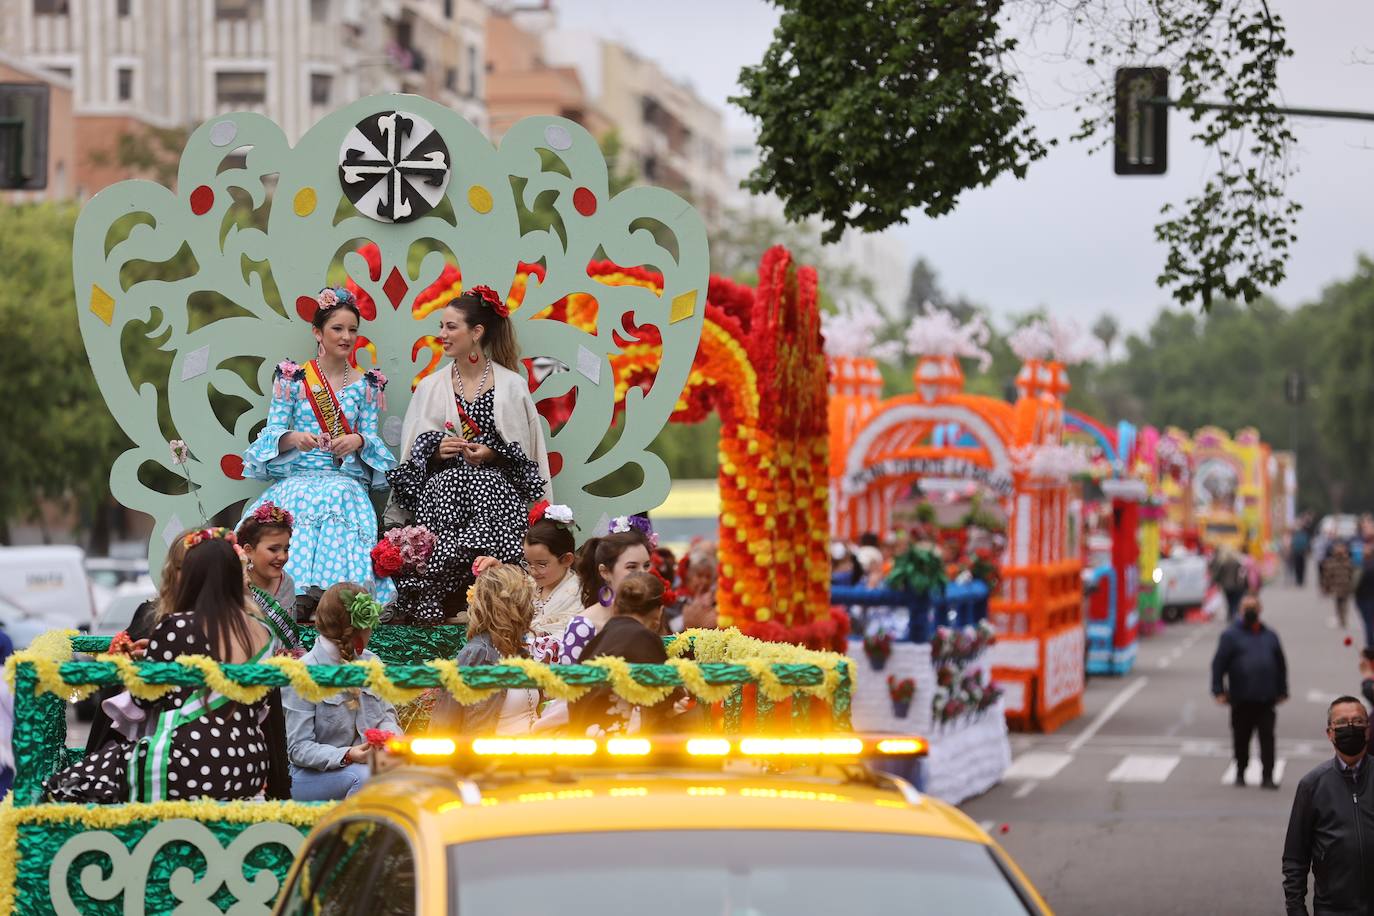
(1229, 573)
(1364, 581)
(1298, 546)
(1331, 828)
(1250, 675)
(1336, 577)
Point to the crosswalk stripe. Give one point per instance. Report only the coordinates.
(1143, 768)
(1037, 765)
(1253, 772)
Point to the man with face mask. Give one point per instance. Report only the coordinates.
(1250, 675)
(1331, 829)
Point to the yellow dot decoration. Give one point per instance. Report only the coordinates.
(479, 198)
(305, 201)
(102, 304)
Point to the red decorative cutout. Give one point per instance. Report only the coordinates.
(202, 199)
(395, 287)
(584, 201)
(362, 343)
(232, 466)
(555, 464)
(306, 306)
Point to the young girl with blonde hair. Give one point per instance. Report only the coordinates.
(499, 615)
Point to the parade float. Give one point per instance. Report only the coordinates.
(267, 225)
(938, 437)
(1108, 513)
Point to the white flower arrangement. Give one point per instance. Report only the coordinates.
(853, 332)
(939, 333)
(558, 513)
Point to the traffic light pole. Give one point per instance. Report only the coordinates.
(1334, 113)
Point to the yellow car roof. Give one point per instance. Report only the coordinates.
(443, 805)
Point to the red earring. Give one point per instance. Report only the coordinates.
(473, 357)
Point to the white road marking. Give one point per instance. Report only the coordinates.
(1036, 765)
(1253, 772)
(1143, 768)
(1112, 708)
(1164, 662)
(1025, 789)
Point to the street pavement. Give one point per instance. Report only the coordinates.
(1129, 809)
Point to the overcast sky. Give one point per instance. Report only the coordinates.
(1072, 236)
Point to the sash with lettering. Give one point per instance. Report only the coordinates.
(328, 411)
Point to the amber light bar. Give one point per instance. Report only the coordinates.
(660, 749)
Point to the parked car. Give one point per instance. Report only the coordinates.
(114, 576)
(21, 628)
(1182, 579)
(48, 584)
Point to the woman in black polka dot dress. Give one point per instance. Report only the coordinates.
(474, 459)
(191, 742)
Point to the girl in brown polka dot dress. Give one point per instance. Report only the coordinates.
(192, 742)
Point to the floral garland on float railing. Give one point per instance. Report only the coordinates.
(722, 661)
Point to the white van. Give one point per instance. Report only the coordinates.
(48, 585)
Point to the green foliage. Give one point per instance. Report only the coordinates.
(868, 108)
(1230, 240)
(918, 570)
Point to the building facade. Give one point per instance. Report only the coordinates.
(521, 82)
(177, 63)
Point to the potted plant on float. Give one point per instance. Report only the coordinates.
(901, 692)
(878, 648)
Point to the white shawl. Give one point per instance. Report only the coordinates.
(516, 419)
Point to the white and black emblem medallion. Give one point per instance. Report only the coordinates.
(394, 166)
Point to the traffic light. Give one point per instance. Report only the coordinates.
(1142, 122)
(23, 136)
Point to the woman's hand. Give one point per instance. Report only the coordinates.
(478, 454)
(451, 447)
(700, 613)
(347, 445)
(138, 648)
(358, 754)
(482, 564)
(306, 442)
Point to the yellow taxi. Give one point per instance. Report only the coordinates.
(664, 826)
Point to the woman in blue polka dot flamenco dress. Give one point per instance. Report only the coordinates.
(322, 452)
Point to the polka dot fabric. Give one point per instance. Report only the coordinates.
(335, 522)
(575, 638)
(222, 755)
(473, 511)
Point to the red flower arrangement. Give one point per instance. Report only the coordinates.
(669, 593)
(386, 559)
(121, 644)
(492, 299)
(378, 737)
(901, 691)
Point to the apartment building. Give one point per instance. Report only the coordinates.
(181, 62)
(674, 139)
(522, 82)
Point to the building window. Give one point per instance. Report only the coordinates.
(125, 80)
(451, 79)
(241, 87)
(123, 8)
(319, 11)
(64, 72)
(51, 7)
(238, 9)
(321, 85)
(448, 9)
(472, 71)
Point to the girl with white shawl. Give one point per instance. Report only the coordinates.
(473, 458)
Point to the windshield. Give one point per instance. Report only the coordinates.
(728, 873)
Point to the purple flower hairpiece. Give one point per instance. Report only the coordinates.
(623, 524)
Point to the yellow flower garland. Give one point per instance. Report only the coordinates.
(49, 651)
(109, 817)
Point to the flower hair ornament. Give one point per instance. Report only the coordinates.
(269, 513)
(333, 297)
(196, 538)
(491, 299)
(562, 516)
(364, 611)
(623, 524)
